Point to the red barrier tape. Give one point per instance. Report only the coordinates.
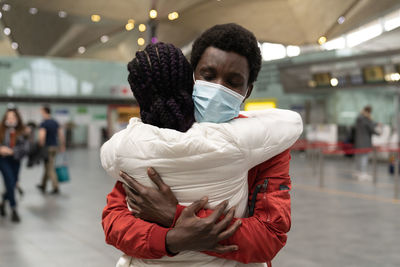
(339, 148)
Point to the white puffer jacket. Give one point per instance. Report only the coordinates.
(209, 159)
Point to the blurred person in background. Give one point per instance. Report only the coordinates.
(51, 138)
(35, 152)
(13, 146)
(365, 127)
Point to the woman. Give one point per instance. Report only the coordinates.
(13, 147)
(193, 158)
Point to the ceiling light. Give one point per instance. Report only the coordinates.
(392, 77)
(338, 43)
(154, 40)
(81, 50)
(7, 31)
(140, 41)
(33, 10)
(392, 20)
(395, 76)
(173, 16)
(14, 45)
(292, 50)
(62, 14)
(104, 39)
(271, 51)
(1, 15)
(341, 20)
(153, 14)
(142, 27)
(95, 18)
(364, 33)
(129, 26)
(6, 7)
(322, 40)
(334, 82)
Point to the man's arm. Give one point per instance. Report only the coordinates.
(61, 138)
(262, 235)
(142, 239)
(42, 136)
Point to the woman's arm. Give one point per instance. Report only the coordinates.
(108, 154)
(264, 134)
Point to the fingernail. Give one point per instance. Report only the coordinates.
(121, 173)
(151, 171)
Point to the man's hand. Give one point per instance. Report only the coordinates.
(157, 205)
(202, 234)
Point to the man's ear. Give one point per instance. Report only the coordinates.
(249, 90)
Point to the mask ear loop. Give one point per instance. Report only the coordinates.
(194, 79)
(244, 98)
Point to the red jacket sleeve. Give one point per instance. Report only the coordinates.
(262, 235)
(129, 234)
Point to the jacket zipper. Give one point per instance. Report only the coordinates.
(254, 197)
(265, 200)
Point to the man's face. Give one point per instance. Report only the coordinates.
(226, 68)
(43, 113)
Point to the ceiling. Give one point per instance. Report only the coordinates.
(296, 22)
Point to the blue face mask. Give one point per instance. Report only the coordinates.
(214, 102)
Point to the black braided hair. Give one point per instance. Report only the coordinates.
(230, 37)
(161, 79)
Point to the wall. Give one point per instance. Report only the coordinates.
(338, 106)
(36, 76)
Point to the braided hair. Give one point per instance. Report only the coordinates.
(161, 79)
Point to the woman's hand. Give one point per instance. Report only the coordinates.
(157, 205)
(6, 151)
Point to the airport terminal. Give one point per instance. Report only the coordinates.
(169, 97)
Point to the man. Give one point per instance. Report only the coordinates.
(50, 136)
(227, 55)
(364, 130)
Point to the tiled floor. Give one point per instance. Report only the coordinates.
(61, 231)
(349, 223)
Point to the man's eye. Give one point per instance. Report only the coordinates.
(208, 77)
(236, 86)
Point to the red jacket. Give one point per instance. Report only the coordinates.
(259, 238)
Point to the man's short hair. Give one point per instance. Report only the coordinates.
(46, 109)
(230, 38)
